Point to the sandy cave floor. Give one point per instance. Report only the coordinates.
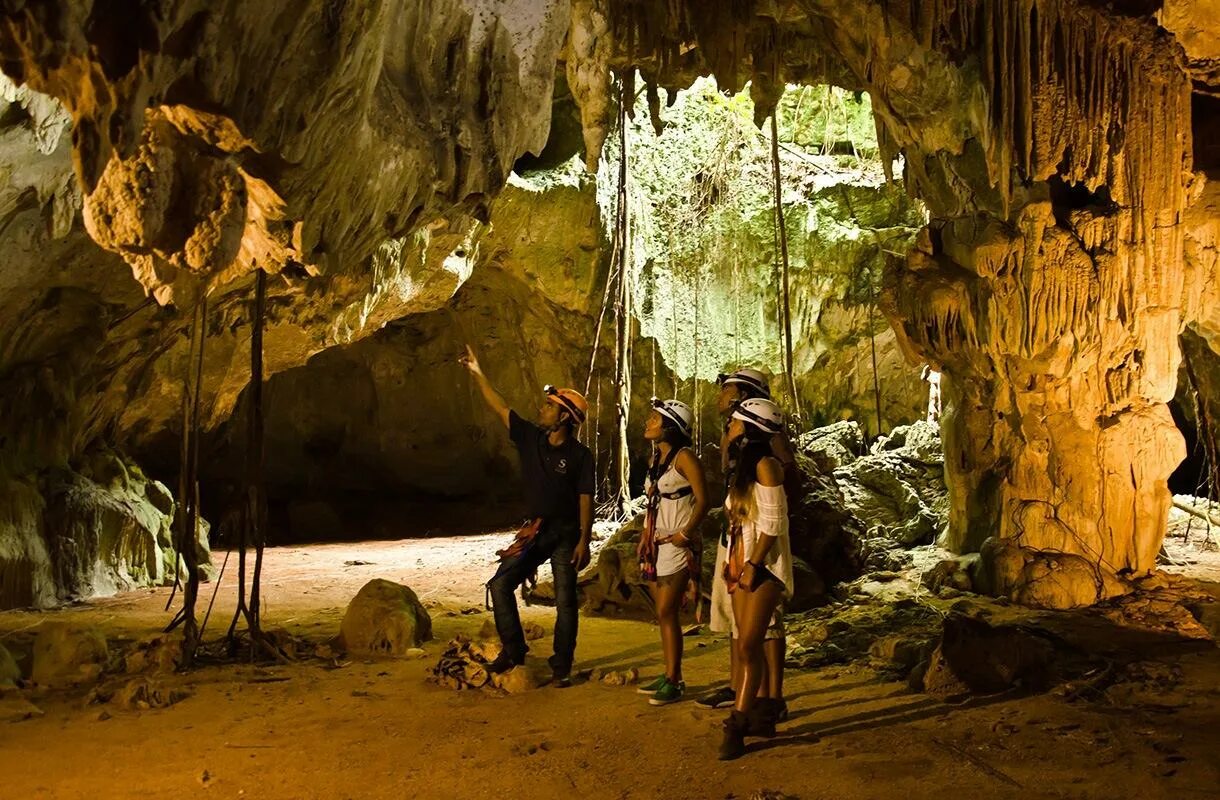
(377, 729)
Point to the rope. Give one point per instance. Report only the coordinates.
(782, 234)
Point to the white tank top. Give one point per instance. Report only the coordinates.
(673, 514)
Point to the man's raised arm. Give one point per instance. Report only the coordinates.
(490, 396)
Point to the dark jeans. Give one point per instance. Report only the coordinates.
(556, 542)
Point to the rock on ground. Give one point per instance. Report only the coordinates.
(384, 618)
(974, 657)
(65, 655)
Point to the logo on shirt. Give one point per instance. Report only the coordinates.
(562, 466)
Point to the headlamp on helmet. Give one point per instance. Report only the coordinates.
(677, 413)
(569, 400)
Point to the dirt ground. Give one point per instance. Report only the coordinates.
(377, 729)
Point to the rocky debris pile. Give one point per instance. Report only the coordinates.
(463, 665)
(138, 694)
(158, 654)
(893, 636)
(1169, 604)
(832, 446)
(612, 677)
(897, 490)
(384, 618)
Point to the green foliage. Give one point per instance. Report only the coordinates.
(701, 200)
(826, 118)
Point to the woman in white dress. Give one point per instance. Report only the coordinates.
(758, 570)
(677, 504)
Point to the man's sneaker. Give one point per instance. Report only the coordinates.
(668, 693)
(561, 680)
(503, 663)
(721, 698)
(652, 686)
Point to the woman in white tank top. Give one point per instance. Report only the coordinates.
(677, 504)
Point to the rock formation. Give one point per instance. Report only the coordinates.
(1051, 140)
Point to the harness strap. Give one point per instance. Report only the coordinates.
(676, 494)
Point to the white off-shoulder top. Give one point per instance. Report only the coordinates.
(770, 519)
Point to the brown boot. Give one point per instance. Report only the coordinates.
(733, 745)
(761, 718)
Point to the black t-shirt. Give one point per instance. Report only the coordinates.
(555, 477)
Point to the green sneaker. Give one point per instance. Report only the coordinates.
(652, 687)
(669, 693)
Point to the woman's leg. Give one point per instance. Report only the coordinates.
(667, 595)
(753, 611)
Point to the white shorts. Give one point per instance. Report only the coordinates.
(721, 618)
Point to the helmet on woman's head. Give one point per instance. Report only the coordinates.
(760, 414)
(676, 413)
(569, 400)
(751, 380)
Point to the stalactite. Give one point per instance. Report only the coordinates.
(1123, 121)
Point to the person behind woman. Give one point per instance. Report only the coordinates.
(758, 571)
(677, 504)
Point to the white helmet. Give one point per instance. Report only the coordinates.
(676, 412)
(761, 413)
(752, 379)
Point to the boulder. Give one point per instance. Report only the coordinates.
(10, 673)
(832, 446)
(384, 618)
(900, 651)
(975, 657)
(1060, 581)
(824, 534)
(523, 678)
(952, 573)
(65, 655)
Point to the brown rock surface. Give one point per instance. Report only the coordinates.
(65, 654)
(384, 618)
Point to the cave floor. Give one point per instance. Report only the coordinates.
(374, 729)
